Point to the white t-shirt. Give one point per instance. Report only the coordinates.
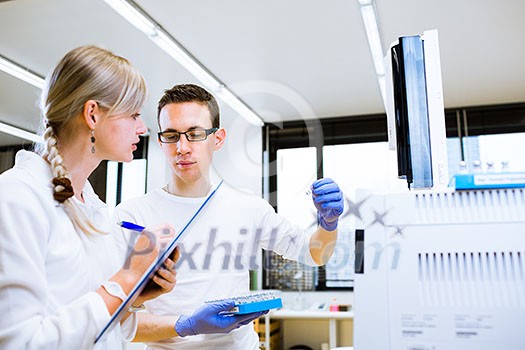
(48, 270)
(217, 251)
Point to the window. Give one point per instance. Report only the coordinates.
(354, 152)
(127, 180)
(295, 173)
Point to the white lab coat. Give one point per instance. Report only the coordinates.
(48, 270)
(217, 251)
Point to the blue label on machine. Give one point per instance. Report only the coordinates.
(488, 180)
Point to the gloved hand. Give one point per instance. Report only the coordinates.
(328, 200)
(207, 319)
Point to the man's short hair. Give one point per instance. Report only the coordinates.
(190, 93)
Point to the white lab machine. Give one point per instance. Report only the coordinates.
(442, 271)
(436, 268)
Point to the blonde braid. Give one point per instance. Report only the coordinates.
(63, 189)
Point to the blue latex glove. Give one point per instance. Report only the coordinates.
(208, 319)
(328, 200)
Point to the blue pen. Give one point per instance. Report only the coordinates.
(131, 226)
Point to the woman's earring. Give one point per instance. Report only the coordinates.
(93, 141)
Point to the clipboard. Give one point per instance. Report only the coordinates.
(139, 287)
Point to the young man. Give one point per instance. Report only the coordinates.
(221, 245)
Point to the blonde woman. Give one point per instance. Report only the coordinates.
(60, 275)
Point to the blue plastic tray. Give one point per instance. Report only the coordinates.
(256, 306)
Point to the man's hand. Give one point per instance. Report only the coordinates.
(328, 200)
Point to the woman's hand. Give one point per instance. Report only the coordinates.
(163, 281)
(145, 252)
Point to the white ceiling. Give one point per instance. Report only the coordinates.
(288, 59)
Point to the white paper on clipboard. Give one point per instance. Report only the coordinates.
(139, 287)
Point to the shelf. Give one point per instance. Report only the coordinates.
(285, 313)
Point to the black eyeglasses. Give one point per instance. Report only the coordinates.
(193, 135)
